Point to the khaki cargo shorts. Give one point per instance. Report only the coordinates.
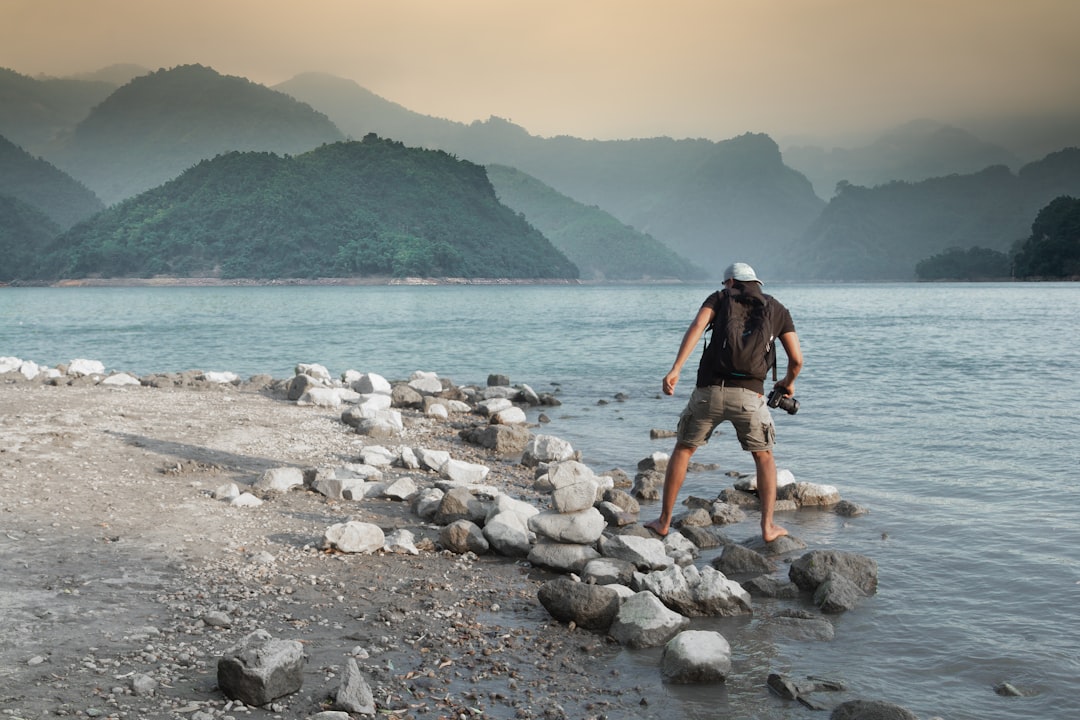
(745, 409)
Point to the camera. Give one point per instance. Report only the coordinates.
(777, 398)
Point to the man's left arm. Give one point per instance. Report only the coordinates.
(793, 350)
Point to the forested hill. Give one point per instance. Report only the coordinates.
(43, 186)
(24, 230)
(36, 111)
(370, 208)
(159, 124)
(881, 233)
(602, 247)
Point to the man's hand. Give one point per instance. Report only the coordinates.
(670, 381)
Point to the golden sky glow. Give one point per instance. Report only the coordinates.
(600, 68)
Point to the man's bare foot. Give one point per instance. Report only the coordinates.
(773, 532)
(658, 527)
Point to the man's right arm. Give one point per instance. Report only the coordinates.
(686, 347)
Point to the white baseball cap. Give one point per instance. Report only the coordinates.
(741, 272)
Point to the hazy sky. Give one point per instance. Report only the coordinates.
(600, 68)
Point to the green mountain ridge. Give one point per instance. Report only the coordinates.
(24, 232)
(370, 208)
(45, 187)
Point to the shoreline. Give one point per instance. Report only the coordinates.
(112, 523)
(326, 282)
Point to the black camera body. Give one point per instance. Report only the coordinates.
(777, 398)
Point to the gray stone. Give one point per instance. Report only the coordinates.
(403, 396)
(462, 536)
(870, 710)
(648, 485)
(401, 489)
(608, 571)
(459, 504)
(354, 537)
(508, 533)
(815, 567)
(615, 515)
(696, 656)
(546, 449)
(723, 513)
(426, 503)
(460, 471)
(643, 621)
(584, 527)
(369, 383)
(281, 479)
(592, 607)
(739, 560)
(704, 538)
(837, 594)
(425, 383)
(563, 557)
(299, 385)
(501, 439)
(622, 499)
(354, 694)
(806, 494)
(801, 628)
(766, 586)
(260, 669)
(697, 593)
(645, 553)
(845, 508)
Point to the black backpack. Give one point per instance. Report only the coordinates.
(741, 343)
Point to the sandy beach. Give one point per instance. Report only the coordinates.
(114, 555)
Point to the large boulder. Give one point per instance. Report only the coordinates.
(583, 528)
(546, 449)
(562, 557)
(508, 533)
(592, 607)
(696, 656)
(697, 593)
(645, 553)
(354, 537)
(644, 621)
(870, 710)
(260, 669)
(815, 567)
(462, 536)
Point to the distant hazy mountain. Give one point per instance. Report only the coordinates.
(25, 232)
(710, 202)
(601, 246)
(36, 113)
(37, 183)
(357, 111)
(370, 208)
(916, 151)
(881, 233)
(117, 75)
(160, 124)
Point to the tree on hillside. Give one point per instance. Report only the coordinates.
(1053, 249)
(974, 263)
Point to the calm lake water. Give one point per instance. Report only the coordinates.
(948, 409)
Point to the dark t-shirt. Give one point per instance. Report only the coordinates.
(781, 322)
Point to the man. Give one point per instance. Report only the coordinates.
(722, 394)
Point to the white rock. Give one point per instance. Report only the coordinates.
(508, 533)
(246, 500)
(583, 527)
(401, 489)
(320, 397)
(505, 503)
(643, 621)
(425, 383)
(437, 411)
(314, 370)
(81, 367)
(546, 449)
(644, 553)
(221, 378)
(228, 492)
(459, 471)
(432, 459)
(281, 479)
(372, 383)
(402, 542)
(117, 379)
(31, 370)
(509, 416)
(493, 406)
(9, 364)
(696, 656)
(354, 537)
(377, 456)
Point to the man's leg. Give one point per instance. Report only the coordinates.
(766, 488)
(673, 480)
